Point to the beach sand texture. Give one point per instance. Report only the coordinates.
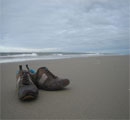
(98, 90)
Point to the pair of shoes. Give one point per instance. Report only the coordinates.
(29, 81)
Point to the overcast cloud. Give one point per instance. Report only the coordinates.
(64, 25)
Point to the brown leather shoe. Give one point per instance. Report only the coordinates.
(46, 80)
(26, 88)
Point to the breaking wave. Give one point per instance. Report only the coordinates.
(18, 55)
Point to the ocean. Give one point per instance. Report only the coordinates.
(25, 56)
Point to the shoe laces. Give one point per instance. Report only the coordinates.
(25, 78)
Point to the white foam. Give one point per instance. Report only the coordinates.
(58, 54)
(48, 57)
(19, 55)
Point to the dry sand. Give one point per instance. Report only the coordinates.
(98, 90)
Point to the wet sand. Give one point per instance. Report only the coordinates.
(98, 90)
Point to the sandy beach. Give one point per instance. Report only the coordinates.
(98, 90)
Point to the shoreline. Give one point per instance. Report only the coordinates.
(58, 58)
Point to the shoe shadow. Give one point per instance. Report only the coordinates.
(28, 100)
(58, 90)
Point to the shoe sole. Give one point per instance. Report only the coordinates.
(29, 96)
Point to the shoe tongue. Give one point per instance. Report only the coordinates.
(25, 78)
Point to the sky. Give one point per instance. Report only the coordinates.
(64, 25)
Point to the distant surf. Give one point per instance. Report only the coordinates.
(14, 56)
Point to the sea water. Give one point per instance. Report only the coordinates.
(15, 57)
(24, 56)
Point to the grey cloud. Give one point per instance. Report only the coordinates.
(75, 25)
